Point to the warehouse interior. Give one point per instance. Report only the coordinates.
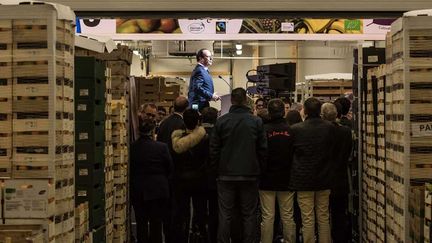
(69, 107)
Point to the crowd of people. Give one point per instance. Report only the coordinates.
(276, 172)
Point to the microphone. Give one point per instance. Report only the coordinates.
(225, 82)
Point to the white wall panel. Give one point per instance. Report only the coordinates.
(246, 5)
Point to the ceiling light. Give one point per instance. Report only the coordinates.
(239, 46)
(239, 52)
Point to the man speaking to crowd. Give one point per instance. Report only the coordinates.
(201, 89)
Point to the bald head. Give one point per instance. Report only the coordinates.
(180, 104)
(329, 112)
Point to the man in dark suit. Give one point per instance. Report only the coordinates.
(340, 187)
(151, 165)
(201, 89)
(173, 122)
(166, 128)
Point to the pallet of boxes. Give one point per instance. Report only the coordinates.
(92, 48)
(109, 163)
(159, 90)
(36, 123)
(119, 62)
(396, 167)
(90, 121)
(327, 87)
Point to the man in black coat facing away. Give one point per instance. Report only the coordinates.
(166, 128)
(237, 147)
(151, 165)
(340, 188)
(310, 172)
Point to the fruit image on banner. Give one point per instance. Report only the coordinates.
(303, 26)
(153, 26)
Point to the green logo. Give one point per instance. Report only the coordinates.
(352, 24)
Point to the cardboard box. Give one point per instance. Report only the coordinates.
(26, 198)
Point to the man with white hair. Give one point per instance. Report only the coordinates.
(339, 184)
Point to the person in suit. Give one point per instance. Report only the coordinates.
(173, 122)
(151, 165)
(339, 195)
(166, 128)
(201, 89)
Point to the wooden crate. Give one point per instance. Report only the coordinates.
(119, 68)
(5, 87)
(21, 233)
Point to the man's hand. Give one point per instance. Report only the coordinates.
(216, 97)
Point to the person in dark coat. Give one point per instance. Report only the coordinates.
(312, 163)
(238, 147)
(209, 116)
(293, 117)
(345, 106)
(275, 178)
(151, 165)
(340, 188)
(166, 128)
(190, 181)
(173, 121)
(201, 89)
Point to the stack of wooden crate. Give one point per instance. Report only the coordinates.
(109, 163)
(327, 90)
(428, 213)
(21, 233)
(158, 89)
(380, 153)
(411, 118)
(36, 120)
(82, 232)
(120, 141)
(370, 160)
(90, 139)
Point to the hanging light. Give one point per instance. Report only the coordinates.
(238, 46)
(239, 52)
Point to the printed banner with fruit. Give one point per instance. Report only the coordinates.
(303, 26)
(155, 26)
(233, 26)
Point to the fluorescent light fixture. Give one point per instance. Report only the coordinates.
(239, 46)
(239, 52)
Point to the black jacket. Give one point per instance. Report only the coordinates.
(167, 127)
(342, 152)
(275, 177)
(238, 144)
(313, 150)
(151, 165)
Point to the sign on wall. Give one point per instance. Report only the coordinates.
(218, 28)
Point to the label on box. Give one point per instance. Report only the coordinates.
(423, 129)
(82, 157)
(82, 193)
(84, 92)
(82, 107)
(83, 136)
(83, 172)
(372, 58)
(31, 124)
(31, 89)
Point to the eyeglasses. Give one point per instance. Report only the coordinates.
(150, 115)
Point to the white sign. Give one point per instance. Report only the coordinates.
(287, 27)
(423, 129)
(208, 26)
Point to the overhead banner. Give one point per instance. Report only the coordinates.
(234, 26)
